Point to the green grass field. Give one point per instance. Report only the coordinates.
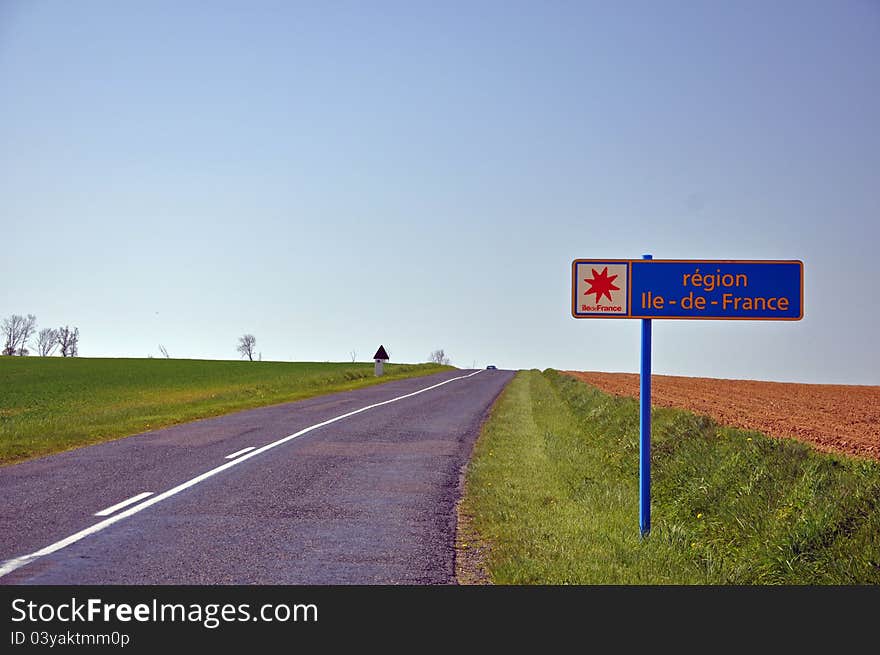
(49, 404)
(552, 493)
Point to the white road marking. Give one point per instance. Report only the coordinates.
(17, 562)
(239, 452)
(125, 503)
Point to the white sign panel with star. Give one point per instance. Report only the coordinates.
(601, 288)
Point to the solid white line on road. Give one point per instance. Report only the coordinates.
(239, 452)
(125, 503)
(16, 563)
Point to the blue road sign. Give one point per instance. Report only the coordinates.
(688, 289)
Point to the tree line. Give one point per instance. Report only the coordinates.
(247, 346)
(19, 330)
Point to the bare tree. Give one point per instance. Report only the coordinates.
(439, 357)
(28, 328)
(18, 330)
(47, 341)
(246, 344)
(164, 351)
(354, 356)
(68, 341)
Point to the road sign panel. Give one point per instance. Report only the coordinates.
(688, 289)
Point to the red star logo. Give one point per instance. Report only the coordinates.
(601, 284)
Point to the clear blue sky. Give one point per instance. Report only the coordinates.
(334, 175)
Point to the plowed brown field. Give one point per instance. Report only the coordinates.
(834, 418)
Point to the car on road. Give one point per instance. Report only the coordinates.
(491, 367)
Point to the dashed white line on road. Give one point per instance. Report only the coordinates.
(125, 503)
(17, 562)
(239, 452)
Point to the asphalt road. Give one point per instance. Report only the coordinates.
(365, 499)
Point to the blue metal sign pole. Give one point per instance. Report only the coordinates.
(645, 428)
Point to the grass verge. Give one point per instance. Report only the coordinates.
(50, 404)
(551, 497)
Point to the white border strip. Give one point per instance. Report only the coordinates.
(16, 563)
(239, 452)
(124, 503)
